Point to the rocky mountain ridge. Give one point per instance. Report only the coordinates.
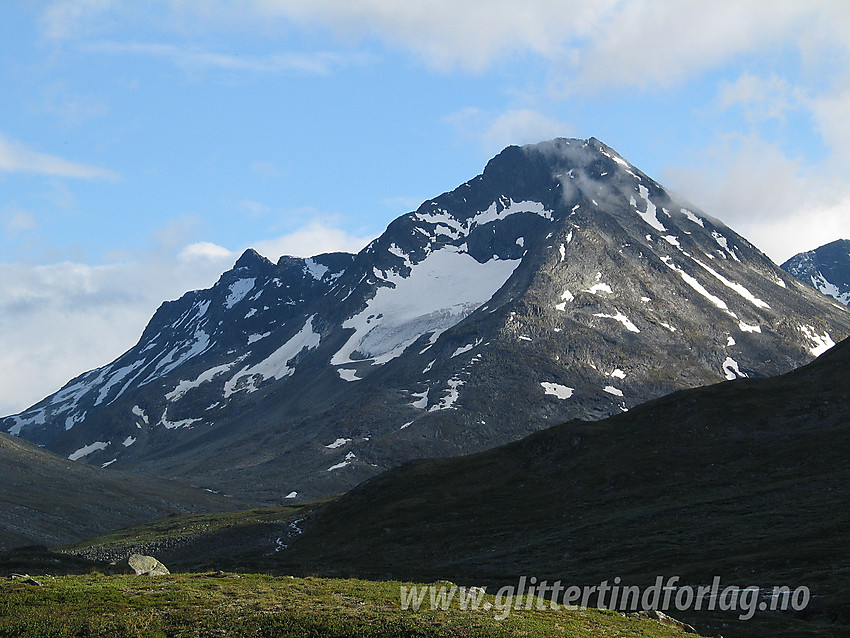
(826, 268)
(560, 283)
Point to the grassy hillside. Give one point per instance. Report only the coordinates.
(220, 604)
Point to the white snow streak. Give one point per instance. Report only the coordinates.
(597, 288)
(649, 216)
(276, 365)
(338, 443)
(693, 283)
(741, 290)
(623, 319)
(88, 449)
(748, 328)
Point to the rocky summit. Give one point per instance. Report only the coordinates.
(560, 283)
(826, 269)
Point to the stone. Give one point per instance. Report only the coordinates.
(143, 566)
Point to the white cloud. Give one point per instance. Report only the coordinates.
(778, 203)
(205, 250)
(16, 220)
(515, 126)
(194, 58)
(59, 320)
(605, 42)
(66, 18)
(830, 111)
(17, 158)
(253, 208)
(761, 98)
(314, 238)
(808, 227)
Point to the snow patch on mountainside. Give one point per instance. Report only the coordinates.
(450, 397)
(140, 413)
(421, 400)
(595, 289)
(696, 285)
(184, 386)
(348, 459)
(828, 288)
(822, 343)
(338, 443)
(748, 328)
(623, 319)
(731, 370)
(347, 374)
(173, 425)
(458, 228)
(88, 449)
(276, 365)
(741, 290)
(690, 215)
(440, 291)
(315, 269)
(116, 378)
(557, 390)
(650, 214)
(724, 244)
(238, 290)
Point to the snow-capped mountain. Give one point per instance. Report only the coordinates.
(826, 268)
(560, 283)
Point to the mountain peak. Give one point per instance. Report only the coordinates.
(560, 283)
(251, 259)
(826, 268)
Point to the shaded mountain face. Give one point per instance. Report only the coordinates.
(560, 283)
(746, 480)
(48, 500)
(826, 269)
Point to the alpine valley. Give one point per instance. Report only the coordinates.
(561, 283)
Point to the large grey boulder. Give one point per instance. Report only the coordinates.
(143, 566)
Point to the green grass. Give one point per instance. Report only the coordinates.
(188, 525)
(189, 605)
(195, 542)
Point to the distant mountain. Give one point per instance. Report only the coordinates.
(48, 500)
(560, 283)
(826, 268)
(747, 480)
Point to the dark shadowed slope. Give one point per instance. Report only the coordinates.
(48, 500)
(747, 480)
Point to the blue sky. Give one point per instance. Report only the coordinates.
(145, 144)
